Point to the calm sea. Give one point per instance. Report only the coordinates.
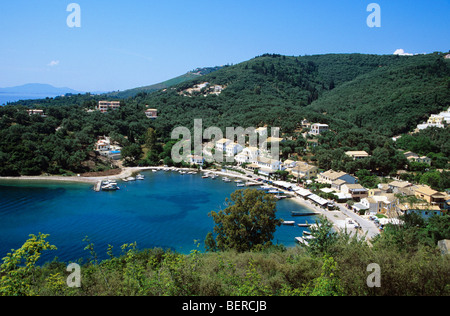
(5, 98)
(165, 210)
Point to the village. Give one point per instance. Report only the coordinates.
(325, 189)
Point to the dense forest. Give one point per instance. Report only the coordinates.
(366, 99)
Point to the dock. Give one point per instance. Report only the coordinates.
(98, 186)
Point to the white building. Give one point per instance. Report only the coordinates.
(222, 144)
(317, 128)
(195, 160)
(248, 155)
(103, 145)
(233, 149)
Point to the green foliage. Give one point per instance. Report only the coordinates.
(328, 284)
(324, 237)
(19, 267)
(248, 223)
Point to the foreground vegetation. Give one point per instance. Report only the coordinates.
(408, 258)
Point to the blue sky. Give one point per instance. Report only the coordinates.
(126, 44)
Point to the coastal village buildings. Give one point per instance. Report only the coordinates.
(232, 149)
(386, 204)
(432, 197)
(248, 155)
(195, 160)
(416, 158)
(357, 191)
(105, 106)
(303, 170)
(331, 176)
(222, 144)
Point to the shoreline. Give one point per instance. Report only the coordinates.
(336, 217)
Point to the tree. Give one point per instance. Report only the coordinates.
(323, 237)
(248, 223)
(131, 153)
(150, 139)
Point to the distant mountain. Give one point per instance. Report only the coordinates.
(37, 89)
(194, 74)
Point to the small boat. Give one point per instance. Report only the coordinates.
(213, 176)
(289, 223)
(303, 225)
(240, 185)
(302, 214)
(238, 181)
(131, 179)
(306, 233)
(154, 170)
(140, 177)
(110, 187)
(205, 177)
(226, 179)
(125, 180)
(304, 240)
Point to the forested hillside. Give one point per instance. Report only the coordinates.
(385, 94)
(391, 100)
(366, 99)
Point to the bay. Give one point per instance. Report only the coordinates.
(166, 210)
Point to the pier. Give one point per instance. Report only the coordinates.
(98, 186)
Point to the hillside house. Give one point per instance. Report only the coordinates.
(416, 158)
(105, 106)
(151, 114)
(356, 155)
(36, 112)
(317, 129)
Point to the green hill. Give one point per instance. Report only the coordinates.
(163, 85)
(391, 100)
(387, 94)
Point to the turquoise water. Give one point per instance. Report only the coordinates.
(166, 210)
